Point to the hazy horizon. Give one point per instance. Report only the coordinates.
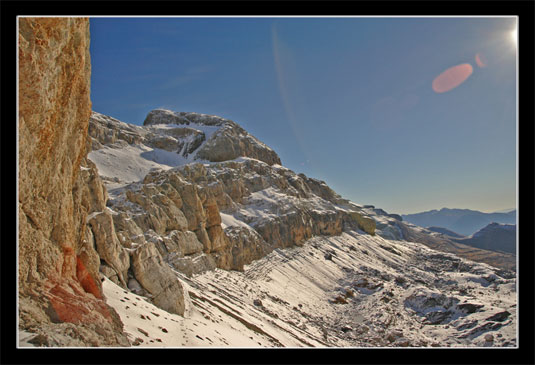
(406, 114)
(451, 208)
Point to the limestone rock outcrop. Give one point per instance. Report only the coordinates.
(105, 130)
(157, 278)
(108, 246)
(226, 213)
(232, 141)
(202, 216)
(163, 116)
(60, 293)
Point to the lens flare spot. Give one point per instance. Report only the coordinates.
(480, 60)
(452, 77)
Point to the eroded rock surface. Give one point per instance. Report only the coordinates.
(60, 293)
(226, 141)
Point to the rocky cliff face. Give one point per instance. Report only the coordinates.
(60, 292)
(191, 213)
(197, 217)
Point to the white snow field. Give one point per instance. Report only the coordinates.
(352, 290)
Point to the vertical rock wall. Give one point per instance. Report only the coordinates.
(59, 284)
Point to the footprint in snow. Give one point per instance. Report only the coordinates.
(143, 331)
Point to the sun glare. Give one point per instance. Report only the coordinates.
(514, 36)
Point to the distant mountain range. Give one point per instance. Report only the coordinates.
(461, 221)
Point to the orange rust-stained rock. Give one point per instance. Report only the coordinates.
(87, 281)
(70, 305)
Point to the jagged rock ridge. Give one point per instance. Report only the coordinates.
(179, 138)
(228, 141)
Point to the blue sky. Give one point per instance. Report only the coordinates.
(345, 100)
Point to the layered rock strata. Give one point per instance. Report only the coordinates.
(60, 292)
(226, 214)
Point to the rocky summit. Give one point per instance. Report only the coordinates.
(188, 231)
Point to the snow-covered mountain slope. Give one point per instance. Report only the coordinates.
(351, 290)
(125, 153)
(241, 239)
